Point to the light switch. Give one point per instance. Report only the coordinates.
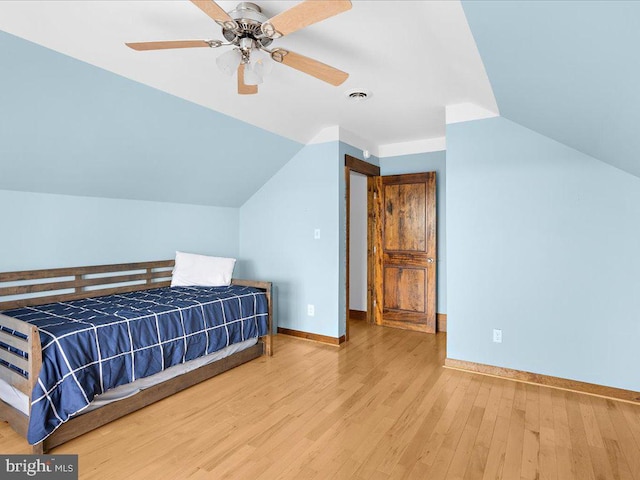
(316, 234)
(497, 335)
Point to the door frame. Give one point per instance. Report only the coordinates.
(352, 164)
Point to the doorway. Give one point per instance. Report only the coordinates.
(370, 172)
(358, 258)
(400, 249)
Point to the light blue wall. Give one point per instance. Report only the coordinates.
(428, 162)
(49, 231)
(566, 69)
(543, 244)
(277, 236)
(71, 128)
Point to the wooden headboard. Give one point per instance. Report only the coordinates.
(38, 287)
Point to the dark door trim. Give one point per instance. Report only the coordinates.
(352, 164)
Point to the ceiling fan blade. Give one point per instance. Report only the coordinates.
(216, 12)
(303, 15)
(243, 88)
(310, 66)
(164, 45)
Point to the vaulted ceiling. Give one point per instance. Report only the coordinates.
(415, 57)
(566, 69)
(70, 128)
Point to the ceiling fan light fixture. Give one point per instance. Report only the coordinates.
(251, 75)
(261, 69)
(263, 63)
(229, 61)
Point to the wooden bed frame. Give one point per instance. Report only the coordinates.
(95, 281)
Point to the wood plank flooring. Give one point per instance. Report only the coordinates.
(381, 407)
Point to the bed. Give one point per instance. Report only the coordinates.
(120, 314)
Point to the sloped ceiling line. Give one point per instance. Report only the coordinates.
(567, 70)
(410, 86)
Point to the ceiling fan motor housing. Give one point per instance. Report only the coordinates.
(249, 18)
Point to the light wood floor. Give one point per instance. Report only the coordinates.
(380, 408)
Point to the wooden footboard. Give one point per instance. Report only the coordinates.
(27, 288)
(24, 338)
(266, 286)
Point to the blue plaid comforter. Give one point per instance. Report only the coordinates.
(90, 346)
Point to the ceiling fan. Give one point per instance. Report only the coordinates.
(251, 33)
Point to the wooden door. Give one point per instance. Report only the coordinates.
(405, 251)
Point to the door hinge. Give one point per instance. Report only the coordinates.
(375, 249)
(375, 195)
(375, 303)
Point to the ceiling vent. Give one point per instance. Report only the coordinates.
(358, 95)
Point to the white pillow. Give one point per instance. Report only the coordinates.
(200, 270)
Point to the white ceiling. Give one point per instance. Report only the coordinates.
(417, 57)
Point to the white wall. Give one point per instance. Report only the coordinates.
(358, 242)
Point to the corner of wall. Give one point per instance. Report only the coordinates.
(277, 242)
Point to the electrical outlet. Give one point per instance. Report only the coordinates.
(497, 335)
(311, 310)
